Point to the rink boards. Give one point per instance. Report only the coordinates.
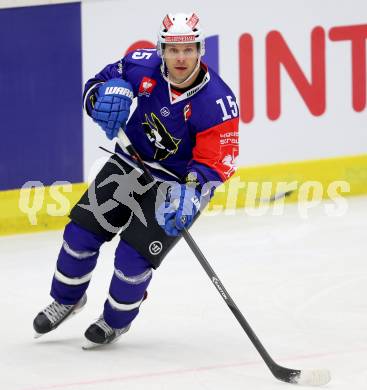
(47, 208)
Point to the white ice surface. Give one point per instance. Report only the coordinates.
(301, 284)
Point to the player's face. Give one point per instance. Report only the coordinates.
(180, 60)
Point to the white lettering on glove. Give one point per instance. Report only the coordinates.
(119, 91)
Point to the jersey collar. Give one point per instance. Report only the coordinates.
(191, 92)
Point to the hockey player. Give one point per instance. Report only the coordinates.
(185, 128)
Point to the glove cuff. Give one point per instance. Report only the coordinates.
(90, 98)
(203, 188)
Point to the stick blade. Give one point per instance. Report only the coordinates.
(312, 377)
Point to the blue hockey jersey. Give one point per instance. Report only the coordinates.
(191, 132)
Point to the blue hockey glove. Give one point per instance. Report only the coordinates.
(112, 107)
(179, 209)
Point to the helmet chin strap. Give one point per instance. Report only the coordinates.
(164, 70)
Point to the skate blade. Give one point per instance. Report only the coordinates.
(89, 345)
(37, 335)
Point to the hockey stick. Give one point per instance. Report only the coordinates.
(276, 197)
(301, 377)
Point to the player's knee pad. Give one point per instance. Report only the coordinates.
(81, 239)
(79, 251)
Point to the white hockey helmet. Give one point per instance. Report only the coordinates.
(180, 28)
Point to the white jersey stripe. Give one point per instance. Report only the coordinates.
(123, 306)
(136, 279)
(72, 281)
(77, 254)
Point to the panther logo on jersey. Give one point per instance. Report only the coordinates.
(165, 144)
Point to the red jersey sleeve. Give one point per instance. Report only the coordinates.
(217, 148)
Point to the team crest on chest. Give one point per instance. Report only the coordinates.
(146, 86)
(187, 112)
(165, 144)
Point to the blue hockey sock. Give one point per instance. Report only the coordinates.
(76, 261)
(130, 280)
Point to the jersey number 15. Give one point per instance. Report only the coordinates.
(232, 107)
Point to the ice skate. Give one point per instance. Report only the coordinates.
(100, 333)
(54, 314)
